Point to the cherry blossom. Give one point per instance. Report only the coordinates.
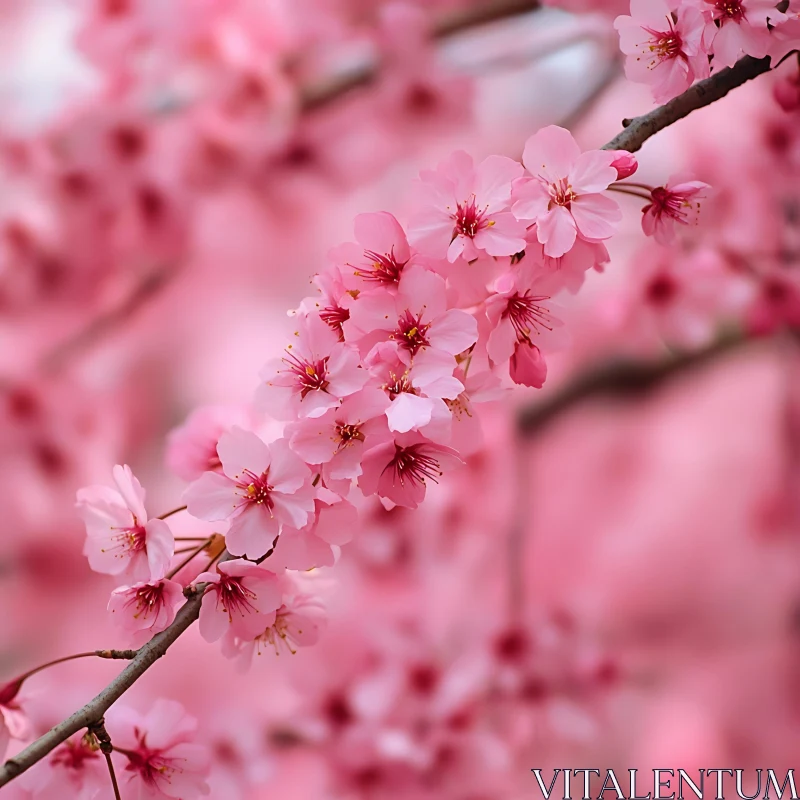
(121, 539)
(671, 205)
(241, 596)
(161, 759)
(261, 489)
(740, 27)
(663, 49)
(315, 374)
(564, 195)
(77, 764)
(145, 609)
(400, 469)
(466, 209)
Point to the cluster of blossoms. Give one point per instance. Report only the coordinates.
(410, 329)
(670, 44)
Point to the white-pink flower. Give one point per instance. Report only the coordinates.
(261, 489)
(241, 597)
(663, 49)
(162, 760)
(121, 540)
(146, 608)
(315, 374)
(465, 209)
(564, 196)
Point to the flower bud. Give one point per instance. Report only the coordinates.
(625, 164)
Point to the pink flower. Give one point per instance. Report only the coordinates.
(661, 51)
(521, 322)
(162, 761)
(671, 205)
(337, 440)
(146, 608)
(417, 317)
(466, 209)
(418, 392)
(316, 373)
(399, 470)
(739, 27)
(299, 622)
(75, 769)
(564, 197)
(379, 258)
(624, 163)
(334, 522)
(241, 596)
(192, 448)
(120, 538)
(261, 489)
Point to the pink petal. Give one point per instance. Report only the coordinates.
(493, 180)
(241, 450)
(557, 232)
(382, 233)
(596, 216)
(211, 497)
(551, 153)
(453, 332)
(408, 412)
(593, 172)
(160, 545)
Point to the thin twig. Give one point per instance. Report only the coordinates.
(98, 730)
(321, 94)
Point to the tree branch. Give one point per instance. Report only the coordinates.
(619, 378)
(321, 94)
(92, 713)
(639, 130)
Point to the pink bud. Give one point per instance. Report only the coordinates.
(787, 93)
(625, 164)
(10, 691)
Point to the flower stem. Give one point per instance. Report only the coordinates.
(113, 775)
(632, 185)
(630, 192)
(122, 654)
(195, 552)
(174, 511)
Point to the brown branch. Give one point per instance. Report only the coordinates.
(639, 130)
(92, 713)
(619, 379)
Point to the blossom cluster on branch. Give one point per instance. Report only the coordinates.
(410, 328)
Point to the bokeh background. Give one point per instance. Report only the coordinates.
(611, 581)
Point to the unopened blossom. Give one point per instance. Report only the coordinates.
(241, 596)
(121, 539)
(378, 258)
(161, 758)
(739, 27)
(672, 205)
(75, 769)
(417, 317)
(663, 49)
(522, 321)
(146, 608)
(13, 721)
(401, 469)
(564, 193)
(260, 489)
(624, 163)
(337, 439)
(316, 372)
(465, 209)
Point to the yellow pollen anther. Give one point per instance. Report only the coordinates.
(251, 489)
(310, 371)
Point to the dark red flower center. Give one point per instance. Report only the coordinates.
(311, 375)
(412, 333)
(526, 315)
(413, 465)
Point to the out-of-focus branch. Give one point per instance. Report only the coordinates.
(92, 713)
(619, 379)
(482, 13)
(147, 287)
(639, 130)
